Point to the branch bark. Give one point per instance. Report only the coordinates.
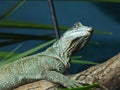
(106, 74)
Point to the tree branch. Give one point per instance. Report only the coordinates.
(106, 74)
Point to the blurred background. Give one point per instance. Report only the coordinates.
(104, 17)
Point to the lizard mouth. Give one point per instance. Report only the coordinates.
(90, 29)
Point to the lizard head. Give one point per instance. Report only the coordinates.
(74, 39)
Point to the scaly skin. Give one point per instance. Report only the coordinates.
(50, 64)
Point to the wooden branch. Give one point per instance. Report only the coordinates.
(106, 74)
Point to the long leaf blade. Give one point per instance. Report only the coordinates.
(83, 62)
(16, 24)
(10, 42)
(25, 36)
(12, 9)
(87, 87)
(3, 54)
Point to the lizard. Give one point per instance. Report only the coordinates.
(50, 64)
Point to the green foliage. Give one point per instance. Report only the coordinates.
(17, 24)
(83, 62)
(16, 38)
(10, 42)
(87, 87)
(25, 36)
(3, 54)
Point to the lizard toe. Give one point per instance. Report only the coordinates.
(72, 84)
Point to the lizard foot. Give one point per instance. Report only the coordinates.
(72, 84)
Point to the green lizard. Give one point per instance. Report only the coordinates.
(50, 64)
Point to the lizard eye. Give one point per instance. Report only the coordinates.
(75, 26)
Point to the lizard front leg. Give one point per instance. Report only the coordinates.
(61, 79)
(55, 77)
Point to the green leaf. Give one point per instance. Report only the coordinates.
(102, 32)
(15, 24)
(17, 38)
(76, 57)
(27, 52)
(83, 62)
(10, 42)
(87, 87)
(12, 9)
(25, 36)
(3, 54)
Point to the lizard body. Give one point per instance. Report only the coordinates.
(50, 64)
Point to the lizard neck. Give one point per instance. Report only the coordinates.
(63, 51)
(56, 51)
